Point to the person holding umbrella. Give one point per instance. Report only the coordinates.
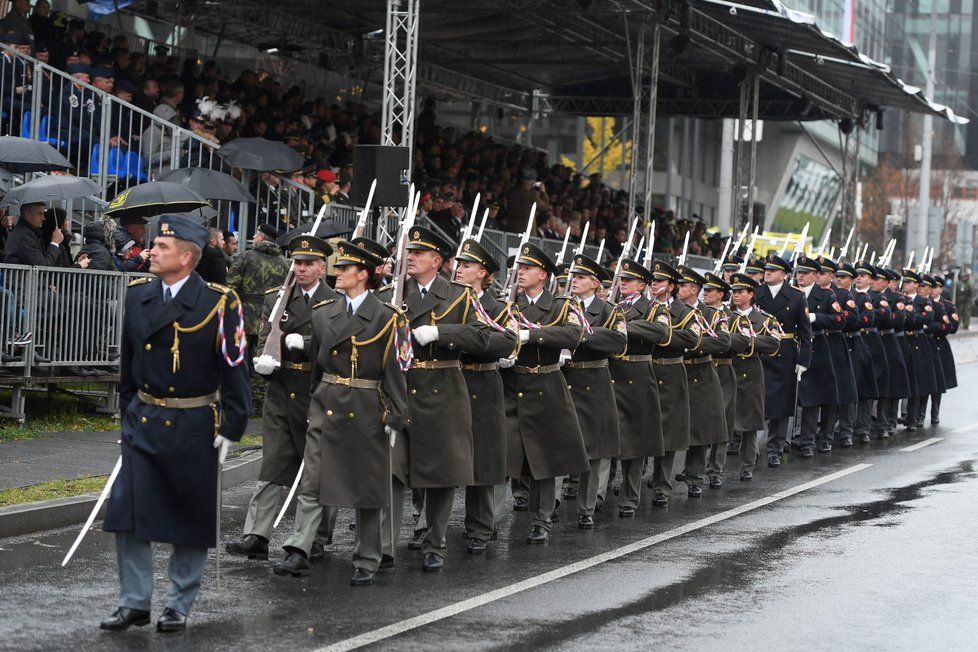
(25, 245)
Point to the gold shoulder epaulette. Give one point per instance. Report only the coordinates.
(272, 290)
(217, 287)
(324, 302)
(464, 285)
(139, 281)
(393, 307)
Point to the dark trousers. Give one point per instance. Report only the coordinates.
(864, 417)
(826, 426)
(777, 435)
(848, 415)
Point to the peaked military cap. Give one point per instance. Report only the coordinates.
(182, 227)
(716, 283)
(373, 247)
(663, 271)
(846, 269)
(563, 269)
(754, 265)
(422, 238)
(689, 275)
(608, 277)
(828, 265)
(309, 247)
(740, 281)
(806, 264)
(632, 269)
(587, 266)
(863, 267)
(775, 262)
(474, 252)
(358, 254)
(732, 263)
(911, 275)
(928, 280)
(530, 254)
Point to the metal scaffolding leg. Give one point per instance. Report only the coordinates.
(400, 74)
(637, 63)
(643, 126)
(850, 178)
(745, 154)
(650, 125)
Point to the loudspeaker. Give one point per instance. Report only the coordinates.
(387, 164)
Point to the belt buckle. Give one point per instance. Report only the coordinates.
(340, 380)
(158, 402)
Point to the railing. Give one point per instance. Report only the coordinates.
(118, 144)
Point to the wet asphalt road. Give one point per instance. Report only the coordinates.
(883, 556)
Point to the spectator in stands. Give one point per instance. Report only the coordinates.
(343, 183)
(520, 198)
(148, 95)
(96, 235)
(155, 139)
(56, 219)
(42, 24)
(6, 224)
(25, 244)
(212, 267)
(74, 40)
(15, 92)
(129, 245)
(230, 246)
(16, 21)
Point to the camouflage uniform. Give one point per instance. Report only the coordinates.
(261, 268)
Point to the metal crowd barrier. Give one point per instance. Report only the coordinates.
(119, 145)
(54, 318)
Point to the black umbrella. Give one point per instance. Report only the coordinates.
(153, 229)
(209, 184)
(154, 198)
(261, 155)
(22, 155)
(327, 229)
(51, 188)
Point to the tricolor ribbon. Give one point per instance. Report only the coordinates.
(239, 336)
(486, 318)
(405, 354)
(576, 307)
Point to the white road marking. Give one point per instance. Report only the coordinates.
(408, 624)
(921, 444)
(966, 428)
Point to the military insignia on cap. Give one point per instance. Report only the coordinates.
(658, 267)
(164, 226)
(304, 244)
(526, 250)
(466, 247)
(627, 267)
(342, 251)
(821, 259)
(416, 235)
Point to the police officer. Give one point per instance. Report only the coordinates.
(359, 350)
(707, 414)
(636, 390)
(784, 370)
(286, 406)
(184, 392)
(444, 324)
(589, 380)
(670, 373)
(858, 314)
(544, 440)
(765, 339)
(484, 497)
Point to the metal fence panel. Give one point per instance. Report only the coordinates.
(17, 299)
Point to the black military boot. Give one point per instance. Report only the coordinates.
(251, 546)
(295, 564)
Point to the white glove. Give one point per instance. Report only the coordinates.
(266, 364)
(223, 444)
(425, 334)
(506, 363)
(811, 317)
(294, 341)
(524, 335)
(392, 434)
(799, 370)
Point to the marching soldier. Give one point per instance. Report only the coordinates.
(544, 440)
(444, 324)
(921, 353)
(636, 390)
(707, 412)
(359, 351)
(589, 380)
(930, 290)
(715, 292)
(783, 371)
(483, 498)
(670, 374)
(286, 404)
(858, 313)
(898, 381)
(838, 351)
(944, 348)
(185, 397)
(764, 333)
(873, 302)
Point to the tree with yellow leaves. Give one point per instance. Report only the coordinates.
(602, 130)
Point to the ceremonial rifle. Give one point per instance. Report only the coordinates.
(750, 248)
(554, 288)
(466, 234)
(625, 248)
(511, 284)
(845, 248)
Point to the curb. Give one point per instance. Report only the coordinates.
(60, 512)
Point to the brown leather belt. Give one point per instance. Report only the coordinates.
(592, 364)
(481, 366)
(358, 383)
(667, 360)
(703, 360)
(436, 364)
(788, 336)
(297, 366)
(635, 358)
(540, 369)
(179, 403)
(720, 361)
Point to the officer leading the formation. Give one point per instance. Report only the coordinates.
(185, 393)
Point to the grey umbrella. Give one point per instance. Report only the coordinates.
(154, 198)
(51, 188)
(327, 229)
(261, 155)
(209, 184)
(22, 155)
